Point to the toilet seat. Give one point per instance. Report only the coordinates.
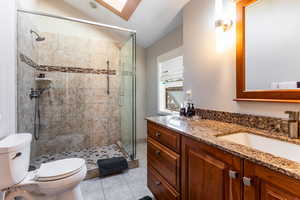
(59, 169)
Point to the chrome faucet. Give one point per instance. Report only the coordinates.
(293, 123)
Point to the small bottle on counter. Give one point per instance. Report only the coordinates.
(182, 110)
(193, 110)
(189, 110)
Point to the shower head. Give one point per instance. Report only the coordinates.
(38, 37)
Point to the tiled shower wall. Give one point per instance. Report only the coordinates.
(76, 112)
(77, 109)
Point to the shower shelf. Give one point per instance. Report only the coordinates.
(43, 79)
(43, 82)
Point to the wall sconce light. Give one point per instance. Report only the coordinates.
(224, 24)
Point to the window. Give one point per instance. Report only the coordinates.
(123, 8)
(171, 94)
(116, 4)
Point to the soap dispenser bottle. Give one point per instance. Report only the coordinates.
(189, 110)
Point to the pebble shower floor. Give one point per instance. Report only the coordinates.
(91, 155)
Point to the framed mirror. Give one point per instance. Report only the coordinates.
(268, 50)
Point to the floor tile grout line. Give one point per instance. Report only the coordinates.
(101, 181)
(133, 194)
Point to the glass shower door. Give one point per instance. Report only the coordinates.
(127, 97)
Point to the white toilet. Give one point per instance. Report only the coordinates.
(57, 180)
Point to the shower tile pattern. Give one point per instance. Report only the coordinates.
(46, 68)
(76, 112)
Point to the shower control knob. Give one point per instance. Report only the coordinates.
(34, 93)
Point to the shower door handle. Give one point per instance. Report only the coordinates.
(107, 77)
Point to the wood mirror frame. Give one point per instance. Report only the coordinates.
(285, 96)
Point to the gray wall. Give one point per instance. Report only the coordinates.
(141, 92)
(171, 41)
(211, 75)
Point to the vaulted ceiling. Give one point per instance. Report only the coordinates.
(152, 19)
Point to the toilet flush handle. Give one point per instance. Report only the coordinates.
(16, 155)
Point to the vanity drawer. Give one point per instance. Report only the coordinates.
(159, 187)
(164, 136)
(165, 161)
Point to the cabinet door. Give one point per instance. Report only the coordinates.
(261, 183)
(205, 173)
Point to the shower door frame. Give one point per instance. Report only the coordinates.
(76, 20)
(133, 35)
(134, 138)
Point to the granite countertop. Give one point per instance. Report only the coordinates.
(207, 131)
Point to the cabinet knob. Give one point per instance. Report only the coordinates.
(247, 181)
(157, 182)
(157, 152)
(157, 134)
(233, 174)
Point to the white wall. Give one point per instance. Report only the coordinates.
(211, 75)
(171, 41)
(7, 67)
(57, 7)
(52, 25)
(141, 92)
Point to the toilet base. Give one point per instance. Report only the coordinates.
(74, 194)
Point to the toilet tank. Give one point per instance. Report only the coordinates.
(14, 159)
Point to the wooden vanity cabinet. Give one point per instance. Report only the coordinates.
(261, 183)
(208, 173)
(181, 168)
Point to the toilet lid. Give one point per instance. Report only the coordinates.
(59, 169)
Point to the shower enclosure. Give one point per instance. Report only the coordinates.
(75, 88)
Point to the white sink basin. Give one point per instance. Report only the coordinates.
(278, 148)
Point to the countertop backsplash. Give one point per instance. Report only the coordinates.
(271, 124)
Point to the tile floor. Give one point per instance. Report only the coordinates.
(131, 185)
